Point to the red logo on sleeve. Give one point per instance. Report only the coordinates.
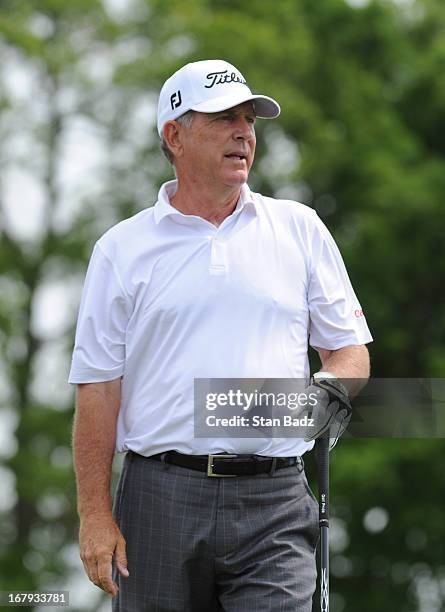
(358, 313)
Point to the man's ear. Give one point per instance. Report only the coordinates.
(172, 137)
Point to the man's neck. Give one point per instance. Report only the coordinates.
(203, 201)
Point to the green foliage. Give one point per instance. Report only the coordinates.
(363, 96)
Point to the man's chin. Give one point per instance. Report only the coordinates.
(236, 179)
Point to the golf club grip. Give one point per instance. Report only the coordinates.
(323, 478)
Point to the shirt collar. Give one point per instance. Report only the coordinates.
(163, 208)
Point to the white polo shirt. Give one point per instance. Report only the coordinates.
(170, 297)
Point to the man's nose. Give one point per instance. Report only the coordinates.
(243, 129)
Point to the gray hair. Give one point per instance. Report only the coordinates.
(186, 121)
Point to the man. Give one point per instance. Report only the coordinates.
(214, 281)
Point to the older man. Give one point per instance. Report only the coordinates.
(214, 281)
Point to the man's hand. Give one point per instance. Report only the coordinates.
(331, 412)
(100, 540)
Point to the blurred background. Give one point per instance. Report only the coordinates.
(361, 139)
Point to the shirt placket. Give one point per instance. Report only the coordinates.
(218, 256)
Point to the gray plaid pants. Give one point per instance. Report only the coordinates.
(200, 544)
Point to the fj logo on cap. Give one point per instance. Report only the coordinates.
(175, 99)
(218, 78)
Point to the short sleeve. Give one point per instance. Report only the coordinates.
(336, 316)
(99, 349)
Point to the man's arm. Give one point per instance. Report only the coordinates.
(94, 438)
(351, 364)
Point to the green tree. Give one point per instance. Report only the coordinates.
(45, 88)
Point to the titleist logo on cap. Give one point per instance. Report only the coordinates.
(219, 78)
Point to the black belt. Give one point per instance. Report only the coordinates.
(228, 465)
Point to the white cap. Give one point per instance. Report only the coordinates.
(209, 86)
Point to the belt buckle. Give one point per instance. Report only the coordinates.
(210, 466)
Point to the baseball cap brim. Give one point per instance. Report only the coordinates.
(265, 107)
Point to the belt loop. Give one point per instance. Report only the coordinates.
(256, 464)
(300, 464)
(273, 466)
(165, 463)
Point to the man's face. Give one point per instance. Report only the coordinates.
(219, 148)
